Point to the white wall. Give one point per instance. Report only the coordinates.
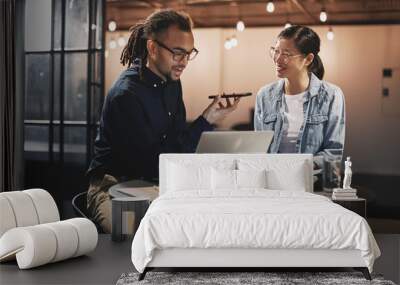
(353, 60)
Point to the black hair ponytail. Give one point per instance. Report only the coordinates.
(317, 67)
(306, 41)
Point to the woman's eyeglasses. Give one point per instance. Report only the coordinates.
(178, 54)
(274, 53)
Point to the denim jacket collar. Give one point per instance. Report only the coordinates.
(313, 90)
(315, 85)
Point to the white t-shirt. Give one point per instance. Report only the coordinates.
(295, 117)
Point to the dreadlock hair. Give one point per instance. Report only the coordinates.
(154, 25)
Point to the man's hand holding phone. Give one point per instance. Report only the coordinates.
(217, 110)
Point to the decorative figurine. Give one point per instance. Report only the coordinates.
(347, 174)
(347, 192)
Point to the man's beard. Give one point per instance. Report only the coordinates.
(170, 77)
(169, 73)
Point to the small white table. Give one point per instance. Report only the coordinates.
(115, 190)
(137, 200)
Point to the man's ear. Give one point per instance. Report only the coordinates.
(309, 59)
(151, 48)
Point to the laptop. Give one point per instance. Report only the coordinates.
(235, 142)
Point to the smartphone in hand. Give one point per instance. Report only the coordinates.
(233, 95)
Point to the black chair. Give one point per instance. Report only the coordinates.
(79, 203)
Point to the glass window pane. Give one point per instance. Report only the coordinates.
(75, 144)
(37, 87)
(76, 24)
(56, 142)
(75, 96)
(37, 25)
(57, 24)
(99, 24)
(36, 143)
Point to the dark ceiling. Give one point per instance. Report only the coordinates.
(225, 13)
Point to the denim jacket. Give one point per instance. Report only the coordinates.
(324, 116)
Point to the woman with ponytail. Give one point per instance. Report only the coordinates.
(306, 113)
(144, 114)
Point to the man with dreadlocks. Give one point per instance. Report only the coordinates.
(144, 114)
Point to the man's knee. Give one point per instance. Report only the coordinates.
(99, 186)
(99, 202)
(103, 215)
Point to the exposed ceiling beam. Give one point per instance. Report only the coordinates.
(224, 13)
(304, 10)
(154, 4)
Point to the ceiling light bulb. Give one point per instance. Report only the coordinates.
(287, 25)
(270, 7)
(112, 26)
(112, 44)
(240, 26)
(330, 34)
(228, 44)
(234, 41)
(121, 41)
(323, 16)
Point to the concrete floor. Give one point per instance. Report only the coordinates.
(110, 259)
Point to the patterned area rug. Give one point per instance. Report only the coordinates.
(231, 278)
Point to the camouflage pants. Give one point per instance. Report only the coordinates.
(99, 202)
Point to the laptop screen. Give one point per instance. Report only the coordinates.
(235, 142)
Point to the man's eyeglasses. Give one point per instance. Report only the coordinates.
(274, 53)
(179, 54)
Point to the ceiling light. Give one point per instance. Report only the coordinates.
(112, 26)
(228, 44)
(112, 44)
(240, 26)
(323, 16)
(270, 7)
(121, 41)
(330, 34)
(234, 41)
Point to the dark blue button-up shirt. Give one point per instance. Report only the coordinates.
(142, 118)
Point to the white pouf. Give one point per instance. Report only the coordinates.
(37, 245)
(24, 211)
(7, 219)
(31, 231)
(45, 205)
